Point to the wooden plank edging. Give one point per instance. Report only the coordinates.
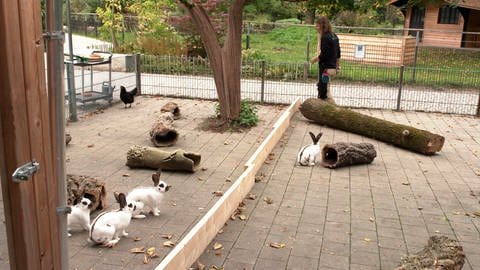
(189, 249)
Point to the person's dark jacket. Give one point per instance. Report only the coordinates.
(330, 50)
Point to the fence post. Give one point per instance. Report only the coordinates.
(478, 105)
(306, 66)
(417, 43)
(138, 73)
(308, 45)
(400, 86)
(247, 40)
(262, 93)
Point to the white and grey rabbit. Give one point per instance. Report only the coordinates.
(109, 226)
(80, 215)
(309, 153)
(149, 197)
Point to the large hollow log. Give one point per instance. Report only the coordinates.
(441, 252)
(79, 186)
(346, 154)
(407, 137)
(162, 132)
(153, 158)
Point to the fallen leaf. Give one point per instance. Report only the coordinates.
(214, 267)
(268, 200)
(218, 193)
(217, 246)
(137, 250)
(146, 259)
(200, 266)
(168, 244)
(406, 183)
(372, 219)
(151, 251)
(174, 204)
(126, 175)
(201, 178)
(204, 168)
(242, 217)
(220, 231)
(226, 143)
(228, 180)
(477, 214)
(420, 208)
(137, 239)
(252, 196)
(277, 245)
(167, 236)
(90, 145)
(366, 239)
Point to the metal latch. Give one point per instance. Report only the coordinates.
(23, 172)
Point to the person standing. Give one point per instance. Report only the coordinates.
(328, 56)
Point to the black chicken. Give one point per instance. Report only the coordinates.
(127, 96)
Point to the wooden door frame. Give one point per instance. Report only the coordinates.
(26, 132)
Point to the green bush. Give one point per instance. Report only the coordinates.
(248, 115)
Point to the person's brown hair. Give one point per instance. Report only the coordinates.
(324, 23)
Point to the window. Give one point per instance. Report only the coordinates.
(448, 15)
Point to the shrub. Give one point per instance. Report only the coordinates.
(248, 115)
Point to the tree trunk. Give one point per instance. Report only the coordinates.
(440, 253)
(310, 16)
(153, 158)
(345, 154)
(225, 62)
(417, 140)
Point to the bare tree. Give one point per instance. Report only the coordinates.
(225, 61)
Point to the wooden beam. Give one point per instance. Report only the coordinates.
(30, 206)
(189, 249)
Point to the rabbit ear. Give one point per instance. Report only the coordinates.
(156, 178)
(313, 136)
(319, 136)
(121, 199)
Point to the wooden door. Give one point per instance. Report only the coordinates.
(26, 135)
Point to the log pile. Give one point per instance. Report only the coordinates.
(407, 137)
(162, 132)
(441, 252)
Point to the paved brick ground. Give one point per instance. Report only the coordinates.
(99, 147)
(361, 217)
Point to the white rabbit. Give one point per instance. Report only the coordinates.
(107, 226)
(80, 215)
(308, 154)
(149, 196)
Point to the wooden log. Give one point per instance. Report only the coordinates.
(162, 132)
(173, 108)
(79, 186)
(153, 158)
(407, 137)
(441, 252)
(346, 154)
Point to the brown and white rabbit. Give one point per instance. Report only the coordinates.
(80, 215)
(149, 197)
(109, 226)
(309, 153)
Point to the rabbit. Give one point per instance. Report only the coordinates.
(150, 197)
(308, 154)
(109, 226)
(80, 215)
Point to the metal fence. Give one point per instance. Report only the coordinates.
(376, 73)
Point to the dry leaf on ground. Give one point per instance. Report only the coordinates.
(277, 245)
(218, 193)
(217, 246)
(168, 244)
(268, 200)
(137, 250)
(167, 236)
